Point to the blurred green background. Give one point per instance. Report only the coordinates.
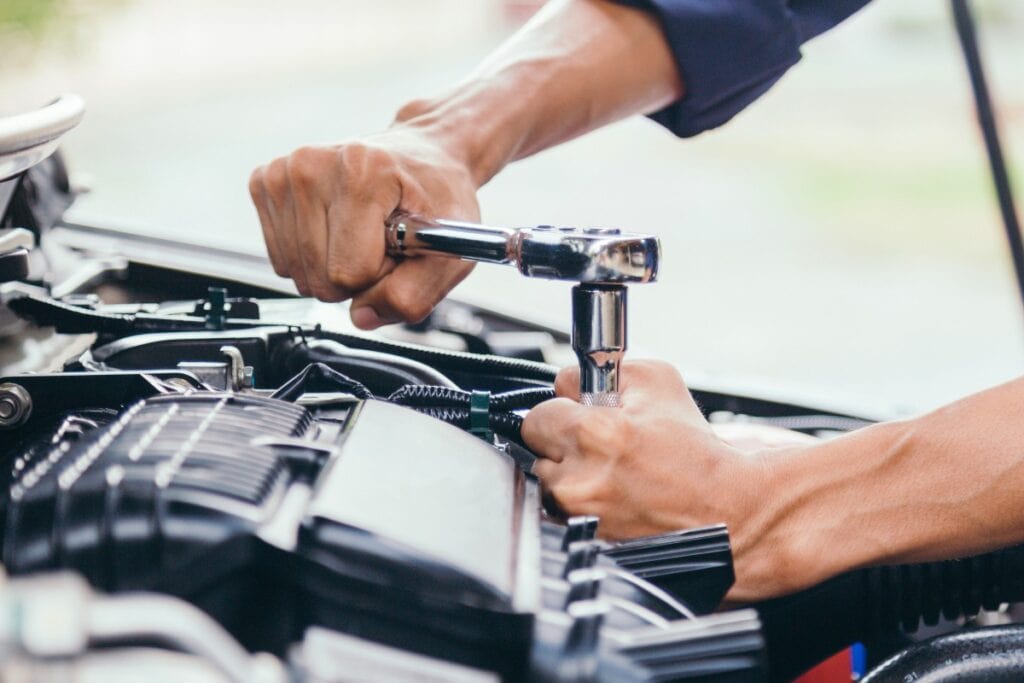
(839, 239)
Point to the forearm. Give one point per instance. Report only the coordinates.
(944, 485)
(578, 65)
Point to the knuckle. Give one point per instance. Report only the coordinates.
(410, 307)
(352, 157)
(364, 164)
(593, 491)
(567, 497)
(597, 432)
(276, 179)
(324, 292)
(580, 498)
(349, 271)
(256, 185)
(412, 109)
(305, 167)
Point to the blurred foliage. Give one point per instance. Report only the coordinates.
(24, 23)
(30, 16)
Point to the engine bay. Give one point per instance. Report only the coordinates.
(205, 477)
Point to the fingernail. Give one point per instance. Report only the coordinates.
(365, 318)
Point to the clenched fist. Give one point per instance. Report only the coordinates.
(323, 211)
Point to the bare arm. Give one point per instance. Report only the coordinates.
(947, 484)
(578, 65)
(944, 485)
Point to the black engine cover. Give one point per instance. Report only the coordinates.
(365, 519)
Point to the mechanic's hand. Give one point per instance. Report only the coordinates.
(323, 211)
(652, 466)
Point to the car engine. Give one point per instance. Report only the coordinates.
(203, 480)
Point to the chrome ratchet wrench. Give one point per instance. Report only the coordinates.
(601, 260)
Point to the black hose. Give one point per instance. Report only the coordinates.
(508, 425)
(963, 19)
(514, 369)
(442, 403)
(382, 373)
(319, 377)
(429, 396)
(453, 406)
(873, 604)
(989, 654)
(70, 319)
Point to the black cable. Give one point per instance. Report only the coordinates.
(443, 403)
(319, 377)
(420, 395)
(966, 30)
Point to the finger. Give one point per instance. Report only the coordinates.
(547, 471)
(646, 383)
(567, 383)
(549, 429)
(311, 226)
(366, 193)
(412, 289)
(259, 199)
(282, 211)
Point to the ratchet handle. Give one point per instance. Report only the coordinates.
(408, 236)
(584, 255)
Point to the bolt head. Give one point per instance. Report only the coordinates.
(15, 405)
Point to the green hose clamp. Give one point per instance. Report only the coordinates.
(480, 415)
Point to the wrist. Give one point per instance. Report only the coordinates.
(824, 511)
(770, 554)
(466, 127)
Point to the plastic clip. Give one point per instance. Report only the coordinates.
(480, 415)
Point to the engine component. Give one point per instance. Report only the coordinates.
(275, 518)
(26, 139)
(991, 654)
(14, 249)
(55, 617)
(870, 604)
(15, 405)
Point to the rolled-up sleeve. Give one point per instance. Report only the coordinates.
(730, 52)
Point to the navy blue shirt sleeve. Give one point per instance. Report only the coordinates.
(730, 52)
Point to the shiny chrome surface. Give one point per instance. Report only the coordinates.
(414, 236)
(15, 405)
(28, 138)
(599, 340)
(597, 255)
(602, 260)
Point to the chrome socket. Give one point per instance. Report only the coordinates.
(599, 341)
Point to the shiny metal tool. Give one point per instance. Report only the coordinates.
(602, 260)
